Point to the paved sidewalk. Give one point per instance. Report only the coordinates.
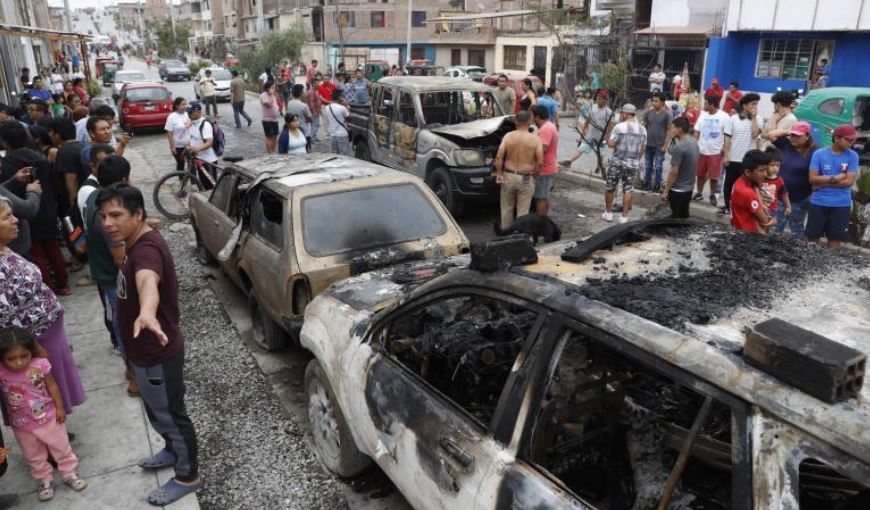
(112, 431)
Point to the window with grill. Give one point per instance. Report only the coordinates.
(418, 18)
(477, 58)
(514, 57)
(789, 59)
(379, 19)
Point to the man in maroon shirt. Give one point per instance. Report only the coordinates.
(149, 316)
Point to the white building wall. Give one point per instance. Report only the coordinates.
(529, 42)
(799, 15)
(685, 13)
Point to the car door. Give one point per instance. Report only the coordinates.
(381, 139)
(435, 393)
(218, 216)
(263, 248)
(405, 130)
(831, 112)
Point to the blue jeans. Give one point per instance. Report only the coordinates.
(796, 221)
(314, 126)
(109, 297)
(239, 109)
(340, 145)
(654, 158)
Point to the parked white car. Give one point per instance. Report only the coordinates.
(221, 78)
(473, 72)
(127, 76)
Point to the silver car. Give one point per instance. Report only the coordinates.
(221, 77)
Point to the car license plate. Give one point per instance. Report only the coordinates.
(150, 108)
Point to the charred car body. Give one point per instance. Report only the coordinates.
(590, 379)
(285, 227)
(436, 128)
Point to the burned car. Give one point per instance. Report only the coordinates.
(285, 227)
(444, 130)
(607, 374)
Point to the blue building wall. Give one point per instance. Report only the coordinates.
(429, 50)
(734, 58)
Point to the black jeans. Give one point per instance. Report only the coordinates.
(733, 170)
(178, 154)
(679, 202)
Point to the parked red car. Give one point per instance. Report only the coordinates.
(515, 80)
(143, 105)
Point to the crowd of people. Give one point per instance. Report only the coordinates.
(62, 176)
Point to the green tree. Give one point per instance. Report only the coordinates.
(169, 42)
(273, 48)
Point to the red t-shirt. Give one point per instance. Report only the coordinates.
(716, 91)
(774, 188)
(744, 205)
(550, 138)
(150, 251)
(730, 104)
(325, 90)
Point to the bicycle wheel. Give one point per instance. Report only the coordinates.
(171, 194)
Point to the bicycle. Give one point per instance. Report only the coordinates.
(173, 190)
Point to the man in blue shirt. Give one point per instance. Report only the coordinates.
(37, 92)
(833, 171)
(551, 104)
(359, 88)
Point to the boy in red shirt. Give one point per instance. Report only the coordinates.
(773, 190)
(747, 212)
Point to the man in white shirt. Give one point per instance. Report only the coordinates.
(741, 135)
(710, 133)
(201, 138)
(656, 79)
(335, 115)
(206, 89)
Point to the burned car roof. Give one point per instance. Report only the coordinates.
(291, 171)
(686, 296)
(418, 84)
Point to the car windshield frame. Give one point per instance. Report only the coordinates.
(389, 197)
(453, 116)
(131, 93)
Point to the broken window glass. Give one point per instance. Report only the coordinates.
(464, 347)
(267, 218)
(611, 430)
(823, 488)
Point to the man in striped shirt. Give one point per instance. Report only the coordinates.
(741, 135)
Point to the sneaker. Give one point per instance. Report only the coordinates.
(722, 211)
(566, 163)
(249, 122)
(46, 491)
(623, 219)
(713, 200)
(726, 211)
(117, 351)
(75, 483)
(697, 197)
(607, 216)
(657, 188)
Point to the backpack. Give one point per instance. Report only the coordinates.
(219, 139)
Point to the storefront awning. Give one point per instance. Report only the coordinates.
(485, 15)
(696, 30)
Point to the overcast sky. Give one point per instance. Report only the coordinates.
(75, 4)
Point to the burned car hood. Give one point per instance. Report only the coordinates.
(470, 130)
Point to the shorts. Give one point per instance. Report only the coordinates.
(270, 128)
(543, 186)
(831, 222)
(589, 146)
(617, 173)
(709, 166)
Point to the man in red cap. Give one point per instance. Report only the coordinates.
(715, 90)
(832, 173)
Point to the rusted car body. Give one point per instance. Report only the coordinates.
(525, 388)
(437, 129)
(285, 227)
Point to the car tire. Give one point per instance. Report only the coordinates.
(362, 151)
(333, 442)
(267, 333)
(203, 256)
(439, 181)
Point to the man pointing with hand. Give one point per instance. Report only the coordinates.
(149, 316)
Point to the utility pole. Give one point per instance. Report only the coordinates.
(172, 17)
(408, 36)
(67, 16)
(340, 35)
(260, 27)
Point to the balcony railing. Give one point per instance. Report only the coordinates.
(479, 35)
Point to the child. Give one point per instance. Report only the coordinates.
(58, 109)
(773, 190)
(36, 412)
(747, 213)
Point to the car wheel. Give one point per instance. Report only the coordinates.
(439, 181)
(362, 151)
(332, 439)
(267, 333)
(202, 254)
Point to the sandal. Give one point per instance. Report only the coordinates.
(75, 483)
(164, 458)
(171, 492)
(46, 491)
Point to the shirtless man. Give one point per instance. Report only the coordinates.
(517, 163)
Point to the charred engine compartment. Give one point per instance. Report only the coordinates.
(464, 347)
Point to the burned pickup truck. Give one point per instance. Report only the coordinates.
(620, 372)
(444, 130)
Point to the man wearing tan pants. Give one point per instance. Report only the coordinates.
(517, 163)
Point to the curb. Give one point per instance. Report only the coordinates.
(649, 200)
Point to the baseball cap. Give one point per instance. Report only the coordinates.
(800, 128)
(628, 108)
(846, 131)
(194, 106)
